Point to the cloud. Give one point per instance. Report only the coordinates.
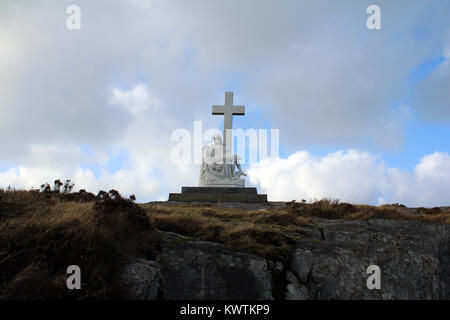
(136, 100)
(354, 176)
(351, 176)
(149, 173)
(432, 94)
(135, 181)
(313, 70)
(56, 155)
(431, 180)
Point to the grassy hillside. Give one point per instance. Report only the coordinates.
(273, 233)
(42, 233)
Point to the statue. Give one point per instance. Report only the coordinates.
(218, 166)
(220, 181)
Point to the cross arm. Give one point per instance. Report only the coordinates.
(217, 110)
(238, 110)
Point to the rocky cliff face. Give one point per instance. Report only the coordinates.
(414, 259)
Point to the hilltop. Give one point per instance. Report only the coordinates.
(302, 251)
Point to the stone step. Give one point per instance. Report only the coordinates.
(218, 197)
(222, 190)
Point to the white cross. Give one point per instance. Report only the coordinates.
(228, 110)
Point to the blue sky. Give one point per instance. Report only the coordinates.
(421, 136)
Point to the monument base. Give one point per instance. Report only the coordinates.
(231, 183)
(218, 194)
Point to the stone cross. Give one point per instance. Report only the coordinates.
(228, 110)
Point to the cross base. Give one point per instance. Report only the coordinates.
(218, 194)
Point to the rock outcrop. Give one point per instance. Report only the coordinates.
(141, 280)
(199, 270)
(413, 257)
(414, 260)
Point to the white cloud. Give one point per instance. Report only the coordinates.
(354, 176)
(136, 100)
(431, 180)
(350, 176)
(135, 181)
(149, 174)
(54, 155)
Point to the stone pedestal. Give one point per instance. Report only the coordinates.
(218, 194)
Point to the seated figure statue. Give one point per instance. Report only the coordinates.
(218, 166)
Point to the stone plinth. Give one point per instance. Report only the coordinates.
(218, 194)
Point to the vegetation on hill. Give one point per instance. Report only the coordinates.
(332, 209)
(270, 234)
(273, 233)
(42, 233)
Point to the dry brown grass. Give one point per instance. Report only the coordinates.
(273, 233)
(332, 209)
(270, 234)
(42, 234)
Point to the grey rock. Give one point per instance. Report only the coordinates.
(414, 259)
(141, 280)
(199, 270)
(295, 290)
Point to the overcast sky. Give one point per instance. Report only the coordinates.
(364, 115)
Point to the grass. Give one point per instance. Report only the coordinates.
(42, 233)
(268, 234)
(273, 233)
(332, 209)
